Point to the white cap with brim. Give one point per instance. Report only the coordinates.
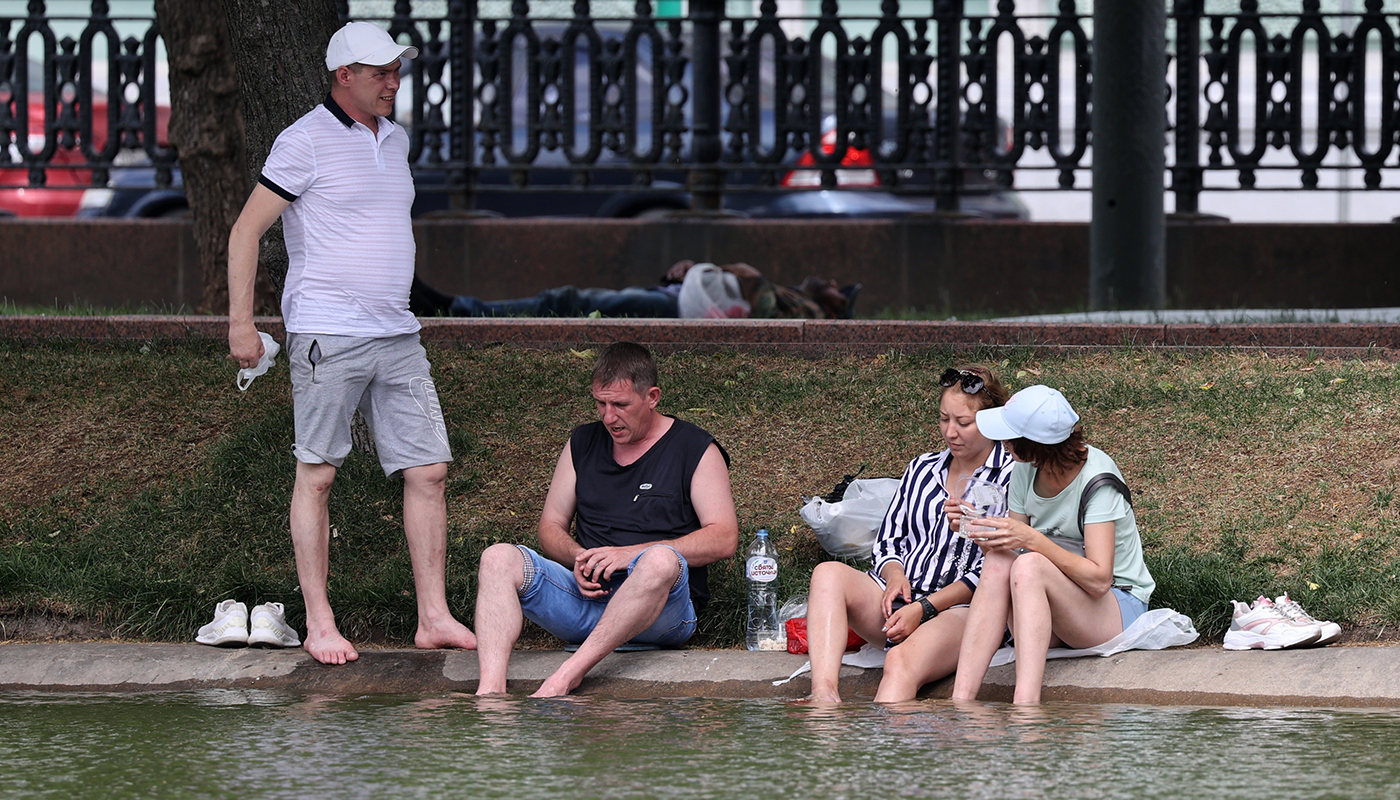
(365, 43)
(1038, 413)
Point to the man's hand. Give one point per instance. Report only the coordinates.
(593, 567)
(586, 585)
(676, 274)
(262, 209)
(742, 271)
(244, 345)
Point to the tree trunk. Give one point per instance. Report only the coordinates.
(206, 127)
(280, 49)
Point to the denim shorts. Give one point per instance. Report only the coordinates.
(551, 599)
(1129, 607)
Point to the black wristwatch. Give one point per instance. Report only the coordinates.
(929, 611)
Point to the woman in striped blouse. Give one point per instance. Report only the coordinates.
(916, 594)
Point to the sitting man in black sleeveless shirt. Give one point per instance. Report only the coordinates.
(648, 500)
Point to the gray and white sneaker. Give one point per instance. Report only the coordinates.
(1289, 607)
(229, 628)
(270, 628)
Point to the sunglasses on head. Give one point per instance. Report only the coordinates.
(972, 383)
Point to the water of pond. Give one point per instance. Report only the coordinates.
(237, 743)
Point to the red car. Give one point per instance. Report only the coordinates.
(66, 178)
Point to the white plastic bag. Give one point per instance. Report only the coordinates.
(794, 608)
(869, 656)
(708, 292)
(1157, 629)
(847, 529)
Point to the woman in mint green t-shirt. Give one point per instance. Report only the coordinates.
(1079, 591)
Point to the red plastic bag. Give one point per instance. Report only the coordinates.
(797, 637)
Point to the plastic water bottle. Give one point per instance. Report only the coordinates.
(761, 569)
(270, 350)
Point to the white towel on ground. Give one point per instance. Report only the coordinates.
(1157, 629)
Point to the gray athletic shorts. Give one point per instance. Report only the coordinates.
(389, 380)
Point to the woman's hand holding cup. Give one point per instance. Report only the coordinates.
(954, 512)
(979, 501)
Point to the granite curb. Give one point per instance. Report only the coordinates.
(1333, 676)
(799, 337)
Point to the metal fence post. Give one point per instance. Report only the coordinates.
(947, 123)
(461, 182)
(1127, 235)
(1186, 175)
(706, 181)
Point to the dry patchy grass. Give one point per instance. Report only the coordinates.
(1271, 460)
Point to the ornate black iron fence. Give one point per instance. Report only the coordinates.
(1296, 95)
(928, 103)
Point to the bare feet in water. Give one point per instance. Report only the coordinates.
(558, 686)
(446, 633)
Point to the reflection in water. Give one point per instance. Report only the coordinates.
(239, 743)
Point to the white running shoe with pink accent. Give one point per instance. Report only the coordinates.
(1263, 627)
(1289, 607)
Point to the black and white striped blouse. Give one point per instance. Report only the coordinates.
(915, 531)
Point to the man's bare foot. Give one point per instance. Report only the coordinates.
(823, 698)
(446, 633)
(490, 691)
(557, 686)
(330, 648)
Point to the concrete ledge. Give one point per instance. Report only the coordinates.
(798, 337)
(1334, 676)
(1330, 676)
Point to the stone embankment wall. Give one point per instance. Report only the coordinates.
(957, 266)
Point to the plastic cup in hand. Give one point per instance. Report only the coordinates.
(979, 499)
(970, 526)
(270, 350)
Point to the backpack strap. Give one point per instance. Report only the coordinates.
(1099, 480)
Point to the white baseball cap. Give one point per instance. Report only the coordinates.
(1038, 413)
(365, 43)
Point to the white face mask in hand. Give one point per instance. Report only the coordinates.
(270, 350)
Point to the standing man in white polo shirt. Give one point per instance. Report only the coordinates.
(339, 177)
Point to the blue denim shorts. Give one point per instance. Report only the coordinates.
(1129, 607)
(551, 599)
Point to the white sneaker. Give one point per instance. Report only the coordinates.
(1289, 607)
(229, 628)
(270, 628)
(1263, 627)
